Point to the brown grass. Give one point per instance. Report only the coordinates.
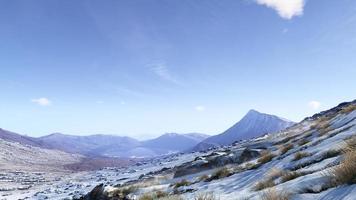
(154, 195)
(266, 156)
(250, 166)
(287, 176)
(300, 155)
(220, 173)
(267, 183)
(272, 194)
(345, 172)
(203, 177)
(275, 173)
(171, 197)
(181, 183)
(283, 149)
(303, 142)
(205, 196)
(348, 109)
(124, 191)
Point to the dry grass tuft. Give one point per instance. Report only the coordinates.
(348, 109)
(272, 194)
(275, 173)
(287, 176)
(123, 192)
(171, 197)
(266, 156)
(303, 142)
(267, 183)
(220, 173)
(300, 155)
(203, 178)
(345, 172)
(181, 183)
(205, 196)
(154, 195)
(250, 166)
(283, 149)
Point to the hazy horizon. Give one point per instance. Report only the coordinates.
(142, 69)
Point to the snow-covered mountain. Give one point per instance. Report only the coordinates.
(253, 124)
(92, 145)
(173, 142)
(109, 145)
(15, 137)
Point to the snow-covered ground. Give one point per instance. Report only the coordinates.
(318, 139)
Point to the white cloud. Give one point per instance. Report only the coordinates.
(161, 70)
(42, 101)
(314, 105)
(287, 9)
(200, 108)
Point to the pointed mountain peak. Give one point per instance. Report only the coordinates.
(253, 111)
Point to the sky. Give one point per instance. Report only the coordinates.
(142, 68)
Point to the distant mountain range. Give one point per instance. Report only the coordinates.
(109, 145)
(253, 124)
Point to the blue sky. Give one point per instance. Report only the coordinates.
(143, 68)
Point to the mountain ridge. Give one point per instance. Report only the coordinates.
(253, 124)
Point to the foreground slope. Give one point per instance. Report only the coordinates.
(253, 124)
(315, 159)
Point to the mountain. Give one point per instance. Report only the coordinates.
(173, 142)
(18, 154)
(103, 145)
(14, 137)
(253, 124)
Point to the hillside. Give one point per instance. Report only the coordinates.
(314, 159)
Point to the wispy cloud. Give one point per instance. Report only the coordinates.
(200, 108)
(161, 70)
(42, 101)
(287, 9)
(314, 105)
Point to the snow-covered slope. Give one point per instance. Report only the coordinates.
(314, 159)
(253, 124)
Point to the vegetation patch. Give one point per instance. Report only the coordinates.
(345, 172)
(205, 196)
(290, 175)
(272, 194)
(267, 183)
(348, 109)
(285, 148)
(303, 142)
(221, 173)
(154, 195)
(181, 183)
(266, 156)
(300, 155)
